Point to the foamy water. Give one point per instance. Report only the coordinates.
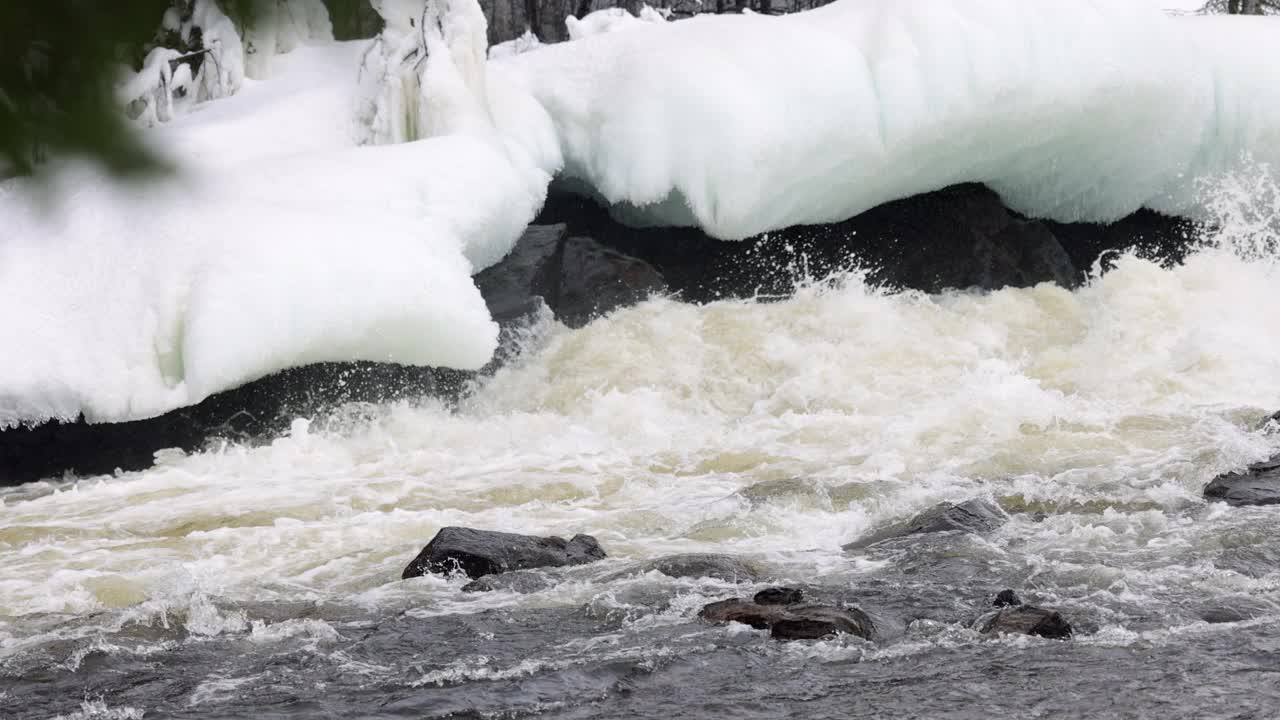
(776, 431)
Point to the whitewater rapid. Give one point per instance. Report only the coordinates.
(644, 426)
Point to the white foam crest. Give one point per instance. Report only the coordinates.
(99, 710)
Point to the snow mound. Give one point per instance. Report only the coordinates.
(167, 85)
(281, 244)
(610, 20)
(1070, 109)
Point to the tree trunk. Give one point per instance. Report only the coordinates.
(531, 16)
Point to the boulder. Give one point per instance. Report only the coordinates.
(970, 516)
(1007, 598)
(791, 621)
(813, 622)
(263, 408)
(1259, 484)
(760, 617)
(1025, 620)
(483, 552)
(704, 565)
(592, 280)
(516, 286)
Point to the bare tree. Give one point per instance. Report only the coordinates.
(1242, 7)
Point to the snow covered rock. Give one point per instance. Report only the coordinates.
(1072, 111)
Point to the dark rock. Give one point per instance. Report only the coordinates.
(1257, 485)
(516, 286)
(483, 552)
(779, 596)
(592, 280)
(1007, 598)
(970, 516)
(1145, 232)
(261, 409)
(519, 581)
(576, 277)
(700, 565)
(1225, 615)
(958, 237)
(1270, 424)
(791, 622)
(760, 617)
(813, 622)
(1026, 620)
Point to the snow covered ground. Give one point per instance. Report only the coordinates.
(283, 242)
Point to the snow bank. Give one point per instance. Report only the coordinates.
(166, 86)
(281, 244)
(1071, 109)
(609, 20)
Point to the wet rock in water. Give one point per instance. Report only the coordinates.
(1026, 620)
(971, 516)
(1270, 424)
(700, 565)
(790, 490)
(791, 621)
(779, 596)
(483, 552)
(760, 617)
(1257, 485)
(1217, 616)
(814, 622)
(1007, 598)
(591, 280)
(519, 581)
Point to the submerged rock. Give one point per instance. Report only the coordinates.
(1025, 620)
(760, 617)
(1007, 598)
(790, 621)
(813, 622)
(1257, 485)
(778, 596)
(483, 552)
(705, 565)
(972, 516)
(518, 581)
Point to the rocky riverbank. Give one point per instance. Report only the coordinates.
(579, 263)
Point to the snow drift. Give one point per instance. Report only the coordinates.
(280, 244)
(1071, 110)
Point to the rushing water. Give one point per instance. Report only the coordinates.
(263, 581)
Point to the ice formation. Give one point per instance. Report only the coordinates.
(523, 44)
(285, 243)
(166, 84)
(1072, 110)
(282, 244)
